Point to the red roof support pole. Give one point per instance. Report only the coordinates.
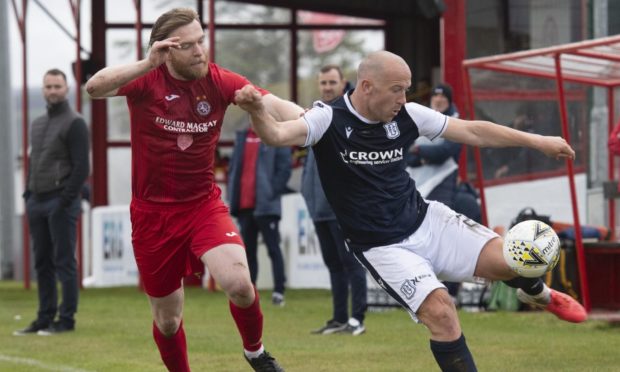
(581, 260)
(294, 56)
(610, 162)
(211, 26)
(75, 11)
(211, 284)
(99, 112)
(471, 116)
(21, 22)
(138, 5)
(453, 44)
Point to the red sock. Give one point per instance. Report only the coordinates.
(173, 350)
(249, 323)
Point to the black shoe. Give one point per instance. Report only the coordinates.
(353, 327)
(264, 363)
(331, 326)
(32, 329)
(277, 299)
(56, 328)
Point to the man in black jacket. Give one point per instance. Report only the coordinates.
(58, 167)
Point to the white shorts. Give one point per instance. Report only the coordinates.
(446, 246)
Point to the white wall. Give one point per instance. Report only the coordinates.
(549, 196)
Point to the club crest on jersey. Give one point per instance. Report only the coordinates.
(203, 107)
(391, 130)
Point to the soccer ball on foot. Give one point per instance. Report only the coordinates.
(531, 248)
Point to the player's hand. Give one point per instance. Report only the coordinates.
(557, 147)
(161, 49)
(249, 99)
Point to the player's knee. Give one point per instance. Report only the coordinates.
(168, 326)
(439, 315)
(241, 292)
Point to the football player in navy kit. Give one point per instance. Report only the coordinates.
(408, 244)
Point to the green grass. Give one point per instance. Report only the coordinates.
(114, 334)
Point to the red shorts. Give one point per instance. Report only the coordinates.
(168, 241)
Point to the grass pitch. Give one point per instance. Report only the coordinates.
(114, 334)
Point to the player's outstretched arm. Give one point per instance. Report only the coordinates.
(280, 109)
(271, 132)
(486, 134)
(106, 82)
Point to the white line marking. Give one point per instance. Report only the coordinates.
(39, 364)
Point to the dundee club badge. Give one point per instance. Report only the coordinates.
(391, 129)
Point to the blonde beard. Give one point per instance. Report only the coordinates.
(187, 72)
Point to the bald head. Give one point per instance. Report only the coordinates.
(382, 82)
(376, 64)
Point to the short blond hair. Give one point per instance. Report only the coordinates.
(170, 21)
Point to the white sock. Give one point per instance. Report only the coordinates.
(254, 354)
(543, 297)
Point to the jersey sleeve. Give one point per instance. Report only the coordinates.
(318, 120)
(135, 88)
(431, 124)
(231, 82)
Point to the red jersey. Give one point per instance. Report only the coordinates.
(175, 126)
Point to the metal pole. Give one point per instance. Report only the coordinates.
(479, 177)
(8, 220)
(610, 162)
(211, 26)
(581, 259)
(99, 113)
(21, 21)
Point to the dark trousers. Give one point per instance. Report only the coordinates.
(344, 271)
(53, 231)
(250, 226)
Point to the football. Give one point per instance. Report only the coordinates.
(531, 248)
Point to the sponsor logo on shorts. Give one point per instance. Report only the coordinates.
(231, 234)
(408, 289)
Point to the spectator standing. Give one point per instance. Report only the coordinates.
(257, 178)
(58, 168)
(434, 165)
(345, 272)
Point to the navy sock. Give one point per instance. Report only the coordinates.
(453, 356)
(531, 286)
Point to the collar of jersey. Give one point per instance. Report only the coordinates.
(352, 109)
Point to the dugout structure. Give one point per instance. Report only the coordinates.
(551, 91)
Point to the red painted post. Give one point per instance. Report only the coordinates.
(581, 258)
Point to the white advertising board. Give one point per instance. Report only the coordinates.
(111, 257)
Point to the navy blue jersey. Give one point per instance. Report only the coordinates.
(362, 169)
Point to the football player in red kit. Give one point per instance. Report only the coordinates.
(177, 101)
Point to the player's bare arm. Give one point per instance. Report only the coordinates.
(280, 109)
(272, 132)
(486, 134)
(107, 81)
